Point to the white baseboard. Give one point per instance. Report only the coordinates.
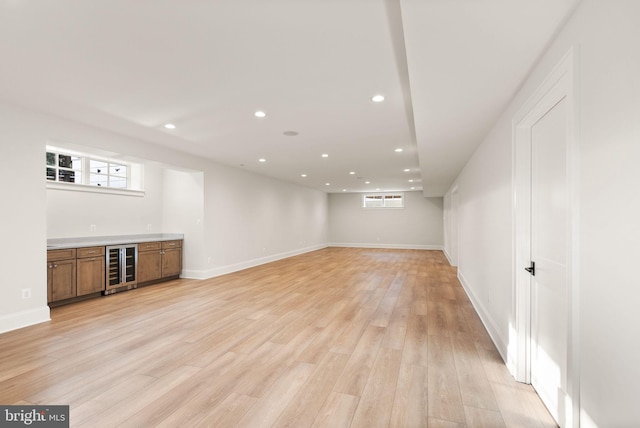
(24, 319)
(500, 342)
(446, 254)
(223, 270)
(388, 246)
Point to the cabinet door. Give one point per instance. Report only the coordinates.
(49, 282)
(149, 266)
(63, 279)
(171, 262)
(90, 275)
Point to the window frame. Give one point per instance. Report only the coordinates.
(77, 173)
(384, 196)
(89, 173)
(84, 174)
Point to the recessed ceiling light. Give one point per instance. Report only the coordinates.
(303, 175)
(324, 155)
(290, 133)
(262, 160)
(398, 150)
(413, 188)
(344, 190)
(407, 170)
(410, 181)
(367, 182)
(377, 98)
(170, 126)
(327, 184)
(377, 188)
(352, 173)
(259, 113)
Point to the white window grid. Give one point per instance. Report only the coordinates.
(383, 200)
(71, 168)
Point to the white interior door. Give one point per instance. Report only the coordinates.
(545, 224)
(549, 251)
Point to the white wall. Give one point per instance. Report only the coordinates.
(450, 217)
(605, 36)
(71, 214)
(252, 219)
(418, 225)
(22, 223)
(183, 212)
(246, 219)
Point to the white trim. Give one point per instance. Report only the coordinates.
(93, 189)
(559, 84)
(485, 316)
(24, 319)
(446, 254)
(223, 270)
(387, 246)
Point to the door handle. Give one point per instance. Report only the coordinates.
(531, 269)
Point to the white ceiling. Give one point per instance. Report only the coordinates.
(447, 68)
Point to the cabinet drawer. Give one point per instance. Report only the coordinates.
(53, 255)
(149, 246)
(171, 244)
(90, 252)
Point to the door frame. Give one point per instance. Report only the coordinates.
(559, 84)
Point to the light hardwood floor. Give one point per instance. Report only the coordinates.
(334, 338)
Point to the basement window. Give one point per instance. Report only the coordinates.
(69, 170)
(383, 200)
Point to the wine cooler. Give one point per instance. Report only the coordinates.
(122, 267)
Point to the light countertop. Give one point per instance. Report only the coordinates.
(99, 241)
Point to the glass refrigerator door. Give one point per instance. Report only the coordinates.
(115, 267)
(129, 268)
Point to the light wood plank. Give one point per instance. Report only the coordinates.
(304, 407)
(397, 329)
(337, 411)
(411, 404)
(445, 401)
(146, 397)
(416, 341)
(227, 414)
(474, 385)
(483, 418)
(268, 409)
(356, 373)
(376, 402)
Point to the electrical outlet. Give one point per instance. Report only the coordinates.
(149, 227)
(26, 293)
(92, 228)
